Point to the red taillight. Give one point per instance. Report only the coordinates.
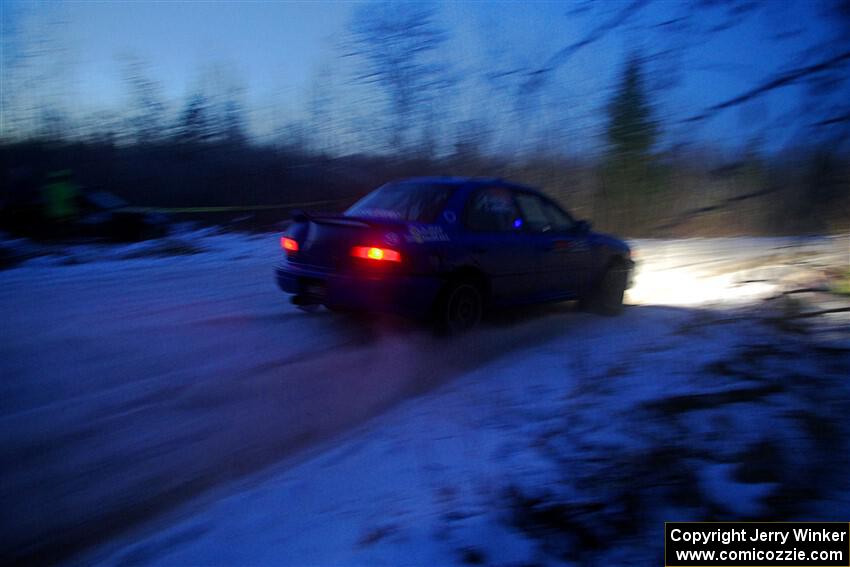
(373, 253)
(288, 244)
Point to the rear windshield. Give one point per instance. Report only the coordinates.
(415, 202)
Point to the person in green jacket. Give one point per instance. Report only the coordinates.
(59, 198)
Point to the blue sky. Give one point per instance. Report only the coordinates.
(272, 44)
(275, 49)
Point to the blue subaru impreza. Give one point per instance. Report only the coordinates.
(448, 248)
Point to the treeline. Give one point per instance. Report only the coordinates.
(679, 195)
(642, 173)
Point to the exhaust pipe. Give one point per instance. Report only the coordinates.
(301, 300)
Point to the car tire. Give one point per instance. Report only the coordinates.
(607, 298)
(459, 308)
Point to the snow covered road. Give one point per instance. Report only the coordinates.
(135, 384)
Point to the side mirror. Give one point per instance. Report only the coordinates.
(582, 227)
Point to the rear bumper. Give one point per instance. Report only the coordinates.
(392, 293)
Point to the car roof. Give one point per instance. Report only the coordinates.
(460, 180)
(448, 180)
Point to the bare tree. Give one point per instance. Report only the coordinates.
(233, 119)
(321, 109)
(397, 47)
(194, 126)
(215, 111)
(147, 109)
(36, 72)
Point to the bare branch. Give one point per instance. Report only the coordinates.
(834, 120)
(538, 76)
(788, 78)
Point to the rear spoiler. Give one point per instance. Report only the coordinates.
(299, 215)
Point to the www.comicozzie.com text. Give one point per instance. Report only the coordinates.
(781, 536)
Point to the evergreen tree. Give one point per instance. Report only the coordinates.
(632, 183)
(632, 131)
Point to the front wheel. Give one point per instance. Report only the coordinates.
(459, 309)
(607, 298)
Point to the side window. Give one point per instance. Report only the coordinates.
(533, 210)
(492, 210)
(560, 221)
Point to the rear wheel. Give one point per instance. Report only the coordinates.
(607, 298)
(460, 308)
